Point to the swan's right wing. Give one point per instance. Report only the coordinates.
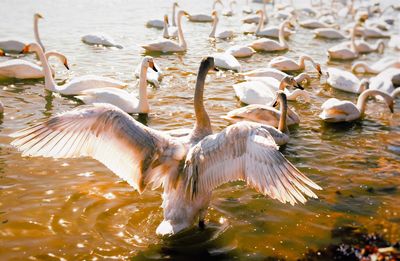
(245, 151)
(131, 150)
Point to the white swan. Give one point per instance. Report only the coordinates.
(377, 67)
(265, 114)
(314, 24)
(222, 34)
(100, 39)
(188, 168)
(261, 91)
(384, 80)
(270, 31)
(289, 65)
(153, 76)
(334, 110)
(159, 24)
(364, 47)
(240, 51)
(203, 18)
(226, 61)
(247, 9)
(76, 85)
(345, 81)
(255, 19)
(274, 73)
(166, 45)
(268, 45)
(16, 46)
(22, 69)
(229, 11)
(343, 51)
(124, 100)
(168, 31)
(371, 32)
(329, 33)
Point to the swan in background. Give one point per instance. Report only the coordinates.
(229, 11)
(268, 45)
(334, 110)
(166, 45)
(153, 76)
(159, 24)
(255, 19)
(189, 168)
(394, 42)
(314, 24)
(329, 33)
(76, 85)
(262, 91)
(1, 107)
(247, 9)
(226, 61)
(395, 93)
(384, 80)
(345, 81)
(371, 32)
(223, 34)
(124, 100)
(270, 31)
(276, 74)
(167, 33)
(22, 69)
(343, 51)
(100, 39)
(289, 65)
(240, 51)
(364, 47)
(15, 46)
(264, 114)
(204, 18)
(377, 67)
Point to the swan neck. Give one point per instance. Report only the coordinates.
(203, 124)
(282, 41)
(260, 22)
(301, 77)
(283, 109)
(214, 29)
(362, 99)
(143, 102)
(181, 39)
(48, 77)
(36, 32)
(165, 30)
(173, 15)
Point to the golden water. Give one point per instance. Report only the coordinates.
(77, 209)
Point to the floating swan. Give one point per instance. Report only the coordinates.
(223, 34)
(76, 85)
(124, 100)
(276, 74)
(343, 51)
(345, 81)
(204, 18)
(22, 69)
(255, 19)
(153, 76)
(329, 33)
(364, 47)
(188, 168)
(247, 9)
(16, 46)
(240, 51)
(271, 31)
(167, 32)
(334, 110)
(226, 61)
(268, 45)
(100, 39)
(166, 45)
(314, 24)
(377, 67)
(289, 65)
(159, 24)
(264, 114)
(371, 32)
(383, 81)
(229, 11)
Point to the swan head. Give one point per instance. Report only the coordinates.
(175, 4)
(60, 56)
(214, 14)
(182, 13)
(38, 16)
(364, 85)
(207, 63)
(260, 12)
(280, 97)
(148, 62)
(318, 67)
(32, 47)
(2, 53)
(166, 19)
(290, 81)
(288, 23)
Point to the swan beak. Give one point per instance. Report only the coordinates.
(152, 66)
(216, 69)
(26, 49)
(2, 53)
(66, 65)
(391, 107)
(298, 86)
(186, 13)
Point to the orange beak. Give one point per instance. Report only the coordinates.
(26, 49)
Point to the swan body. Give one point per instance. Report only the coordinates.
(274, 73)
(329, 33)
(256, 19)
(371, 32)
(156, 23)
(364, 47)
(383, 81)
(377, 67)
(153, 76)
(188, 169)
(167, 46)
(17, 46)
(247, 9)
(343, 51)
(345, 81)
(223, 34)
(203, 18)
(268, 45)
(169, 31)
(271, 31)
(240, 51)
(289, 65)
(100, 39)
(314, 24)
(334, 110)
(76, 85)
(226, 61)
(229, 11)
(124, 100)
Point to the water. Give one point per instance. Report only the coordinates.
(77, 209)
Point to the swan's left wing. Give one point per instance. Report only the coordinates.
(245, 151)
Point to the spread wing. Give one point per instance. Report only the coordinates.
(245, 151)
(134, 152)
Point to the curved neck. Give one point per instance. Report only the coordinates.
(282, 86)
(395, 93)
(36, 32)
(165, 29)
(299, 93)
(364, 66)
(215, 3)
(301, 77)
(353, 38)
(260, 22)
(282, 41)
(143, 102)
(181, 39)
(302, 60)
(362, 99)
(173, 15)
(48, 77)
(214, 28)
(283, 109)
(379, 44)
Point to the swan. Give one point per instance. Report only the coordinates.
(255, 19)
(16, 46)
(265, 114)
(247, 9)
(229, 11)
(76, 85)
(240, 51)
(204, 18)
(224, 34)
(100, 39)
(345, 81)
(394, 42)
(271, 31)
(334, 110)
(169, 32)
(260, 91)
(314, 24)
(364, 47)
(268, 45)
(22, 69)
(188, 168)
(329, 33)
(289, 65)
(124, 100)
(159, 24)
(395, 93)
(166, 45)
(343, 51)
(1, 107)
(371, 32)
(226, 61)
(276, 74)
(153, 76)
(377, 67)
(384, 80)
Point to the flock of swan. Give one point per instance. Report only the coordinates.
(189, 164)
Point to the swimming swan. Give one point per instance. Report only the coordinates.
(377, 67)
(270, 31)
(203, 18)
(346, 81)
(100, 39)
(268, 45)
(188, 168)
(289, 65)
(276, 74)
(222, 34)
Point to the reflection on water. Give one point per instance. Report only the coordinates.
(77, 209)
